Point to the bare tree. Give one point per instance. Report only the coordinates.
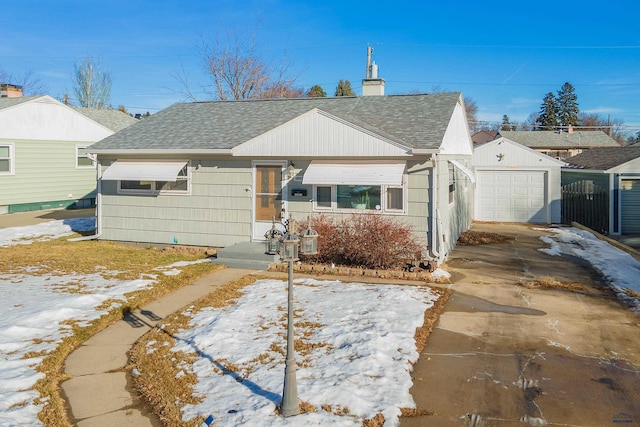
(31, 85)
(91, 83)
(237, 70)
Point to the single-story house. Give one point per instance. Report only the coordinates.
(217, 173)
(43, 158)
(601, 190)
(561, 144)
(515, 183)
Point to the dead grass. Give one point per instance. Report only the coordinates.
(473, 238)
(61, 257)
(166, 387)
(546, 282)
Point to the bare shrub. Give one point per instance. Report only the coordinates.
(365, 240)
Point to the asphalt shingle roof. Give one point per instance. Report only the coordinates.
(604, 158)
(556, 139)
(417, 121)
(112, 119)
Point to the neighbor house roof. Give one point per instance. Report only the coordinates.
(416, 121)
(113, 119)
(483, 136)
(559, 140)
(603, 158)
(10, 102)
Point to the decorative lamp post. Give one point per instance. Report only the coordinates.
(272, 241)
(289, 252)
(309, 240)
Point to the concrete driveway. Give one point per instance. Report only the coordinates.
(506, 355)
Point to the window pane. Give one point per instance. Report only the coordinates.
(179, 185)
(5, 165)
(135, 185)
(394, 198)
(4, 151)
(358, 197)
(323, 197)
(84, 161)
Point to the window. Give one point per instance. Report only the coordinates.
(452, 183)
(359, 198)
(6, 159)
(82, 158)
(180, 186)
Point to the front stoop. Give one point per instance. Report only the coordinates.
(247, 255)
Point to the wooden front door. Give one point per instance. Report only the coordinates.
(269, 203)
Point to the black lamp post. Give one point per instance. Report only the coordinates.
(289, 252)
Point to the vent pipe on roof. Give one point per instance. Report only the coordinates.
(371, 84)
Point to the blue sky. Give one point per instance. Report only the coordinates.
(504, 55)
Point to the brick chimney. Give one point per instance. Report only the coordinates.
(10, 91)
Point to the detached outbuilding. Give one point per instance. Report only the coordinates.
(601, 190)
(516, 183)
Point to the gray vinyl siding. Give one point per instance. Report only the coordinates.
(216, 213)
(46, 171)
(455, 217)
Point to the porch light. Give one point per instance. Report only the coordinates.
(309, 240)
(272, 242)
(289, 243)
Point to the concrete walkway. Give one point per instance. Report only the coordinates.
(98, 393)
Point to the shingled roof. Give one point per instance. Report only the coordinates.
(560, 140)
(115, 120)
(603, 158)
(416, 121)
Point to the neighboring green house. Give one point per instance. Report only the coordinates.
(217, 173)
(43, 158)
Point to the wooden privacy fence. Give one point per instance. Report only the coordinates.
(587, 203)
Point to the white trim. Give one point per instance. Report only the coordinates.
(384, 209)
(258, 228)
(464, 170)
(123, 170)
(160, 176)
(354, 173)
(12, 159)
(84, 146)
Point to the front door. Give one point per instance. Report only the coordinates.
(269, 197)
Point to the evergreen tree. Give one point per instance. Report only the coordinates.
(548, 118)
(316, 91)
(567, 103)
(344, 88)
(506, 124)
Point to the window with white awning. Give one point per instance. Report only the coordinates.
(339, 173)
(137, 177)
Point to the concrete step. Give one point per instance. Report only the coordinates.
(250, 255)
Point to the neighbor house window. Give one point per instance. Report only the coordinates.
(6, 159)
(82, 157)
(359, 198)
(180, 186)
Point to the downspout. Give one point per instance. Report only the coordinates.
(435, 215)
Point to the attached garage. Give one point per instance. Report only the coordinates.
(515, 184)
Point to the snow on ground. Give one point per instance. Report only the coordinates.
(34, 309)
(619, 269)
(364, 366)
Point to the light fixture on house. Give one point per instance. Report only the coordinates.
(291, 171)
(500, 156)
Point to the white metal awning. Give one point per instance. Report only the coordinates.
(144, 171)
(465, 170)
(335, 173)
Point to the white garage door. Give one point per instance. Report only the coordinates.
(511, 196)
(630, 206)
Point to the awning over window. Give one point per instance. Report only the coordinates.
(465, 170)
(335, 173)
(143, 171)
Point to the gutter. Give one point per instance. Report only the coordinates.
(98, 203)
(163, 152)
(435, 214)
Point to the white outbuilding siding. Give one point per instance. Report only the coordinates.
(516, 184)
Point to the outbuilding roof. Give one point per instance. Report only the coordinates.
(603, 158)
(416, 121)
(561, 139)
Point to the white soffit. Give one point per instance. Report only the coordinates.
(338, 173)
(144, 171)
(465, 170)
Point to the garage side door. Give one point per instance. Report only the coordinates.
(630, 206)
(511, 196)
